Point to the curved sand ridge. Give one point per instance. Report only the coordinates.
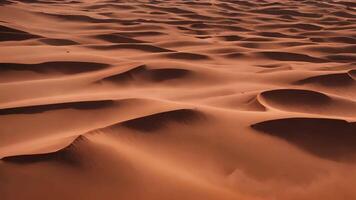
(223, 99)
(308, 101)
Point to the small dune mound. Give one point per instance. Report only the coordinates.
(84, 105)
(329, 50)
(234, 28)
(126, 76)
(65, 67)
(285, 56)
(346, 3)
(141, 33)
(142, 73)
(195, 16)
(238, 102)
(281, 11)
(330, 80)
(307, 27)
(344, 14)
(342, 57)
(234, 55)
(170, 9)
(347, 40)
(157, 121)
(186, 56)
(272, 66)
(158, 75)
(251, 45)
(58, 42)
(277, 35)
(80, 18)
(139, 47)
(258, 39)
(231, 37)
(67, 155)
(327, 138)
(296, 26)
(295, 97)
(200, 25)
(117, 38)
(110, 5)
(11, 34)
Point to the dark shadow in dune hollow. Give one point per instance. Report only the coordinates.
(332, 139)
(157, 121)
(65, 67)
(67, 155)
(84, 105)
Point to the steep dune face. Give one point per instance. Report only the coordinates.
(10, 34)
(308, 101)
(331, 80)
(151, 100)
(155, 121)
(328, 138)
(144, 74)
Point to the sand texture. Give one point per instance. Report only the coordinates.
(177, 100)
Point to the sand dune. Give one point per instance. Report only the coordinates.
(332, 80)
(63, 155)
(308, 101)
(205, 99)
(316, 135)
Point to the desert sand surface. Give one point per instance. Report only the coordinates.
(172, 100)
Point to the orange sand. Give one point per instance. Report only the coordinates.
(172, 100)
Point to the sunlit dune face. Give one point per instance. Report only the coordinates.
(156, 100)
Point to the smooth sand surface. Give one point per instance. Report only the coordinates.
(172, 100)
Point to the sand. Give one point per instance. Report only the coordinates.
(151, 100)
